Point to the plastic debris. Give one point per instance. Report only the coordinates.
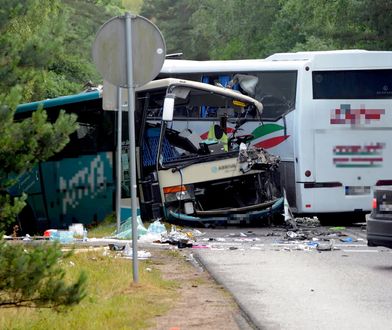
(337, 228)
(312, 244)
(178, 238)
(48, 233)
(125, 231)
(62, 236)
(157, 227)
(27, 238)
(347, 240)
(329, 246)
(288, 214)
(77, 229)
(200, 247)
(116, 247)
(197, 233)
(141, 254)
(291, 234)
(85, 235)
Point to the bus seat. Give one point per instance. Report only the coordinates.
(150, 148)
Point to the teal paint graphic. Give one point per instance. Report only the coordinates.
(79, 189)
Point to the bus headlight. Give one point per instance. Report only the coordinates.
(183, 195)
(178, 193)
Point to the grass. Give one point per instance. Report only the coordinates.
(113, 300)
(105, 228)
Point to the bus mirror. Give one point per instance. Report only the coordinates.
(168, 107)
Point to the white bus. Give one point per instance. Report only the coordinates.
(327, 114)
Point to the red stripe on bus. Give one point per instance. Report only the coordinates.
(366, 159)
(270, 143)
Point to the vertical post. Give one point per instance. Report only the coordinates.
(118, 160)
(132, 142)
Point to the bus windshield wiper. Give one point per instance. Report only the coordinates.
(186, 164)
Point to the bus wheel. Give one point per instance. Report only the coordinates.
(27, 222)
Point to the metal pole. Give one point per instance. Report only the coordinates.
(118, 159)
(132, 142)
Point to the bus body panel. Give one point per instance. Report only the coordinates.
(80, 189)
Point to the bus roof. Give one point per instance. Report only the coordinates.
(58, 101)
(110, 93)
(338, 59)
(155, 84)
(161, 83)
(316, 60)
(187, 66)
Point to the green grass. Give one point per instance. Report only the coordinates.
(113, 300)
(104, 229)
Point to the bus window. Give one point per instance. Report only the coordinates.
(95, 134)
(275, 89)
(353, 84)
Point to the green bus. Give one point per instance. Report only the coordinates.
(77, 184)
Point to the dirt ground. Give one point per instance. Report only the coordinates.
(202, 304)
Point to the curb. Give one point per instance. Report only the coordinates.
(247, 317)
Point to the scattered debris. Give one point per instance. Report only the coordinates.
(329, 246)
(116, 247)
(308, 222)
(337, 228)
(141, 254)
(62, 236)
(77, 229)
(157, 227)
(27, 238)
(348, 240)
(125, 231)
(288, 214)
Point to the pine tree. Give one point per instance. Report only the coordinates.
(33, 277)
(30, 277)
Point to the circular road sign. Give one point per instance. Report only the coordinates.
(148, 51)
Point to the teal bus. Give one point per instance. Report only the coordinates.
(77, 184)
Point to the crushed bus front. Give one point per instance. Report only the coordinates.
(215, 178)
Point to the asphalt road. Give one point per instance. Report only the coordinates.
(286, 283)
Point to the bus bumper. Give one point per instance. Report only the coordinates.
(225, 217)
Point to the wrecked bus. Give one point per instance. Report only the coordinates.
(181, 175)
(216, 178)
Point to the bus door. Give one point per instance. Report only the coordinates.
(30, 183)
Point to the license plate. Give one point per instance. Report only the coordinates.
(385, 207)
(357, 190)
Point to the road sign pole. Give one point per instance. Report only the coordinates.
(143, 63)
(118, 160)
(132, 147)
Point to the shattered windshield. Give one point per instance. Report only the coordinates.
(180, 141)
(276, 90)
